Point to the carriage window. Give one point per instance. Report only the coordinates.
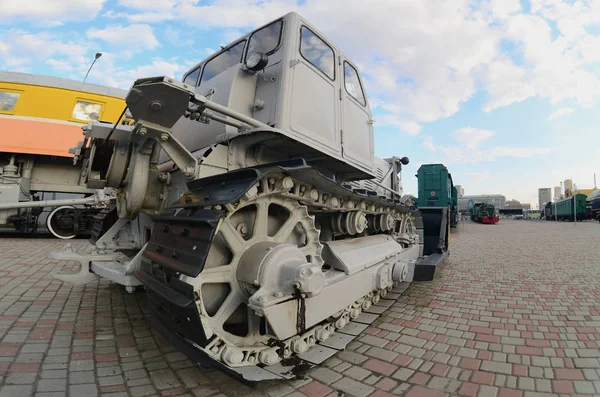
(8, 100)
(223, 61)
(84, 110)
(192, 78)
(352, 83)
(317, 52)
(265, 40)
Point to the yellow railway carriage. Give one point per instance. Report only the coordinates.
(43, 115)
(40, 119)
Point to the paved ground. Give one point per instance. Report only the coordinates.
(515, 312)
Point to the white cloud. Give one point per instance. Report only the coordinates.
(142, 34)
(428, 143)
(555, 68)
(421, 61)
(113, 73)
(506, 83)
(471, 137)
(519, 152)
(472, 146)
(404, 125)
(176, 38)
(25, 49)
(50, 10)
(158, 67)
(502, 9)
(561, 112)
(70, 58)
(158, 5)
(418, 75)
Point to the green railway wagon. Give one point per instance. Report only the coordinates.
(436, 189)
(563, 209)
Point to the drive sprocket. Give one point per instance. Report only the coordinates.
(222, 299)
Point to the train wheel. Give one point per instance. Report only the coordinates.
(60, 222)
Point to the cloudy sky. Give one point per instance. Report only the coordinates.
(504, 92)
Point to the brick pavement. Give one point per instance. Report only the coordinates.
(515, 312)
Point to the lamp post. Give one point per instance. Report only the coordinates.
(98, 55)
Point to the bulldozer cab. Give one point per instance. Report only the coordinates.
(287, 75)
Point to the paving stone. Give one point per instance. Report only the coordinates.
(80, 377)
(492, 366)
(543, 385)
(16, 391)
(109, 371)
(44, 385)
(584, 387)
(487, 391)
(111, 380)
(526, 384)
(403, 374)
(23, 378)
(357, 373)
(342, 367)
(57, 373)
(352, 387)
(27, 358)
(81, 365)
(141, 391)
(84, 390)
(438, 383)
(586, 362)
(325, 375)
(381, 354)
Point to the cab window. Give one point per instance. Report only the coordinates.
(352, 83)
(192, 78)
(265, 40)
(226, 59)
(317, 52)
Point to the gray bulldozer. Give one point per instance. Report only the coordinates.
(252, 209)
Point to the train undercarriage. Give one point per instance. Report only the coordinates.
(26, 180)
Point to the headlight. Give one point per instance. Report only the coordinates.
(257, 61)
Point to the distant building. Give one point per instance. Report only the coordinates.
(587, 192)
(460, 190)
(465, 205)
(516, 204)
(557, 193)
(498, 200)
(544, 196)
(568, 187)
(513, 204)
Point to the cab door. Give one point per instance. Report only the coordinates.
(357, 124)
(314, 105)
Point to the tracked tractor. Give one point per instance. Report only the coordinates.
(252, 209)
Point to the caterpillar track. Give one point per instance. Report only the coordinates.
(195, 267)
